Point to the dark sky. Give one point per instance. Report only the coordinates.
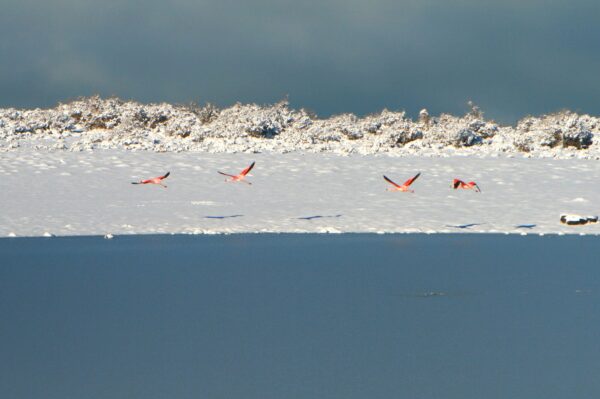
(330, 56)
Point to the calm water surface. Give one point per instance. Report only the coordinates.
(300, 316)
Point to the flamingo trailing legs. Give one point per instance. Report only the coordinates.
(405, 186)
(239, 177)
(155, 180)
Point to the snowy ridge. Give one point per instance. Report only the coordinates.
(96, 123)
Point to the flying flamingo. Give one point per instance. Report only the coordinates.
(154, 180)
(403, 187)
(241, 177)
(467, 186)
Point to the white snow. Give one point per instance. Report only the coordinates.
(95, 123)
(48, 193)
(67, 171)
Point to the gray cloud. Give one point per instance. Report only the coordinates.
(331, 56)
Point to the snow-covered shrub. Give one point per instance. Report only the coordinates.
(96, 113)
(396, 129)
(399, 137)
(523, 142)
(348, 126)
(94, 122)
(424, 117)
(208, 113)
(577, 138)
(466, 138)
(254, 120)
(564, 129)
(484, 129)
(449, 130)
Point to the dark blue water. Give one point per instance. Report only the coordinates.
(300, 316)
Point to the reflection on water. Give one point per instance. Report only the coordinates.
(300, 316)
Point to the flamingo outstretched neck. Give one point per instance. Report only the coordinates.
(239, 177)
(155, 180)
(457, 183)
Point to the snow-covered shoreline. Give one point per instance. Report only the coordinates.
(65, 193)
(95, 123)
(67, 171)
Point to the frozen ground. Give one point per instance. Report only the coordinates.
(89, 193)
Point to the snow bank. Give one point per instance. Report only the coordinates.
(96, 123)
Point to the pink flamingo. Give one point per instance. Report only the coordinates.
(404, 187)
(456, 183)
(241, 177)
(154, 180)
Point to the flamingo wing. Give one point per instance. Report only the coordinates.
(247, 170)
(225, 174)
(165, 176)
(412, 179)
(387, 179)
(457, 183)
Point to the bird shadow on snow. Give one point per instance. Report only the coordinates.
(465, 226)
(526, 226)
(318, 217)
(223, 217)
